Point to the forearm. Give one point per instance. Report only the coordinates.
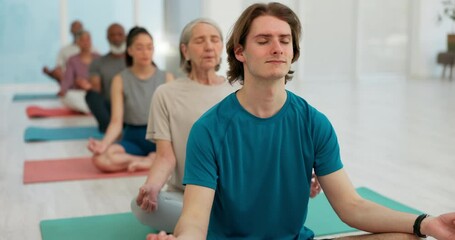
(361, 213)
(65, 84)
(160, 171)
(371, 217)
(186, 229)
(112, 133)
(194, 220)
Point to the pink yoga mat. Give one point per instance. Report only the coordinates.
(68, 169)
(41, 112)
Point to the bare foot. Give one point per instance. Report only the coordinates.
(143, 164)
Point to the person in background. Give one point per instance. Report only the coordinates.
(64, 54)
(75, 82)
(102, 71)
(174, 109)
(131, 92)
(250, 158)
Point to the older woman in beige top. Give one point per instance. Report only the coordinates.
(174, 109)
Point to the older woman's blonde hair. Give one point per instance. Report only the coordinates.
(185, 37)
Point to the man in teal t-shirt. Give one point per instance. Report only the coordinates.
(260, 186)
(250, 158)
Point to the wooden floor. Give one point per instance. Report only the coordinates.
(397, 137)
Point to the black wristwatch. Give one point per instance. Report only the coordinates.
(417, 225)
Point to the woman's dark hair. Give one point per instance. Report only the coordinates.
(132, 34)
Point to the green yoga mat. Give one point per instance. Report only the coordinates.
(104, 227)
(35, 134)
(34, 96)
(321, 219)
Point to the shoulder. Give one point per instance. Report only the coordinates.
(124, 72)
(310, 114)
(222, 112)
(73, 59)
(172, 85)
(300, 104)
(121, 75)
(215, 122)
(104, 58)
(96, 55)
(96, 61)
(69, 47)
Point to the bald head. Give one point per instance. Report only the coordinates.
(76, 26)
(116, 34)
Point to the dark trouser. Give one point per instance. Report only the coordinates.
(100, 108)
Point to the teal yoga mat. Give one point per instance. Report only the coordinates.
(36, 134)
(104, 227)
(34, 96)
(321, 219)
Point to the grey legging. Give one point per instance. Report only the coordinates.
(165, 218)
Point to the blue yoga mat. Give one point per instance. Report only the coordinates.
(35, 134)
(321, 219)
(34, 96)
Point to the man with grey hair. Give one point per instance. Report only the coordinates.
(101, 73)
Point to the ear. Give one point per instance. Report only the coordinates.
(128, 49)
(238, 52)
(184, 50)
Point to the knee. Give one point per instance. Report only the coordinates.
(102, 163)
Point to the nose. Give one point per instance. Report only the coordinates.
(208, 45)
(276, 47)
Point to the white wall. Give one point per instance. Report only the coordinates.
(382, 39)
(328, 39)
(428, 37)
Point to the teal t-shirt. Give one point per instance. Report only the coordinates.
(260, 168)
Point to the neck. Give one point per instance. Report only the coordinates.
(264, 98)
(121, 55)
(86, 52)
(143, 72)
(205, 77)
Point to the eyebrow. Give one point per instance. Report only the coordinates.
(268, 35)
(143, 44)
(210, 36)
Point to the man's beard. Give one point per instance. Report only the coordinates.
(117, 50)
